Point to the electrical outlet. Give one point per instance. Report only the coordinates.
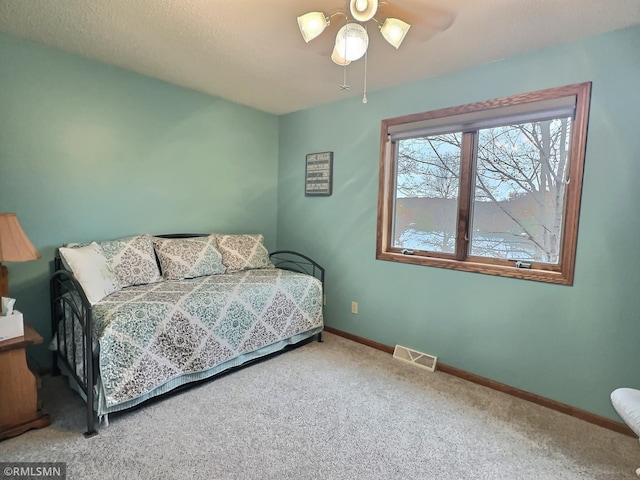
(354, 308)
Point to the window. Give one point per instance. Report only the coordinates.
(490, 187)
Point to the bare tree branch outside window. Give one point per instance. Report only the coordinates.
(518, 195)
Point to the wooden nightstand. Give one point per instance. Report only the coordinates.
(19, 387)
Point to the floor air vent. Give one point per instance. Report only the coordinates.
(418, 359)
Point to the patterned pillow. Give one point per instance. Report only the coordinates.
(132, 259)
(188, 257)
(91, 269)
(243, 252)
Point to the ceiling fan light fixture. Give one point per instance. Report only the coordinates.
(363, 10)
(352, 41)
(312, 24)
(394, 30)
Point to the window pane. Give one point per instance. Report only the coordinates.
(520, 191)
(426, 193)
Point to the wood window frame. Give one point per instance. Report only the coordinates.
(561, 273)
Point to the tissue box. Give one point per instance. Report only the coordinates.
(11, 325)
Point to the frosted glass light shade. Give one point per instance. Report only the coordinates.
(363, 10)
(312, 24)
(394, 31)
(352, 41)
(337, 58)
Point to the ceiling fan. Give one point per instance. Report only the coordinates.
(352, 39)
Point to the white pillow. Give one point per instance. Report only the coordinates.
(91, 269)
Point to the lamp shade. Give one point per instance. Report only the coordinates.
(352, 41)
(312, 24)
(363, 10)
(394, 31)
(15, 246)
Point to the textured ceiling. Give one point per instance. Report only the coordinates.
(251, 52)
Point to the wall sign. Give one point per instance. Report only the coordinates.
(319, 174)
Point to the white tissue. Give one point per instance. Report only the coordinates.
(7, 305)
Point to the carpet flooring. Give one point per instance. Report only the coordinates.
(333, 410)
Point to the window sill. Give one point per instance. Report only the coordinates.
(537, 275)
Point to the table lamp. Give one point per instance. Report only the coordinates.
(15, 246)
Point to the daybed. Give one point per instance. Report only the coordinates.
(140, 316)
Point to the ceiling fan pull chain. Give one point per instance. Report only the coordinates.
(344, 85)
(364, 95)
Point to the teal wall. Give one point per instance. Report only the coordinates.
(92, 152)
(571, 344)
(89, 151)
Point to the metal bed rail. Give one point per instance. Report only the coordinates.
(70, 310)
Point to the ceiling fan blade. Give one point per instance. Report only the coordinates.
(417, 14)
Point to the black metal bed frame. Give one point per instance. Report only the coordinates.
(70, 304)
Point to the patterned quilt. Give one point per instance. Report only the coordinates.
(150, 334)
